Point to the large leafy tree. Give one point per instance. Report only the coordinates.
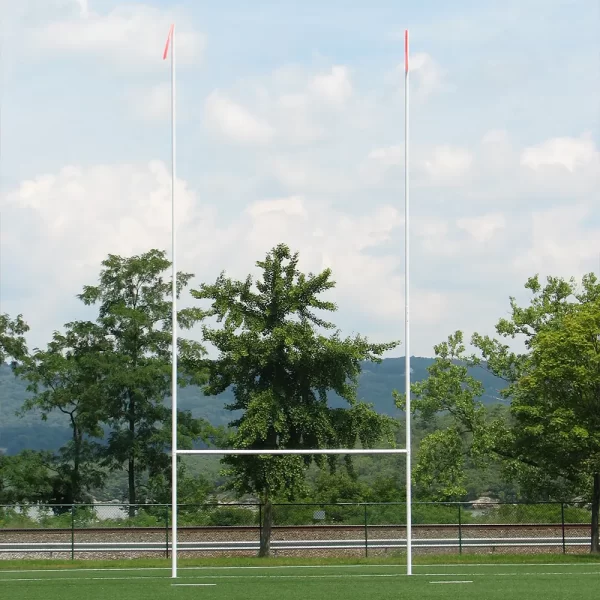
(551, 439)
(134, 302)
(67, 378)
(13, 345)
(274, 353)
(26, 477)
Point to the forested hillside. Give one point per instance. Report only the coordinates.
(19, 432)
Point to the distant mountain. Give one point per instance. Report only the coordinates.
(376, 384)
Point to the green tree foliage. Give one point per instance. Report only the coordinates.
(25, 477)
(553, 443)
(442, 454)
(13, 345)
(67, 378)
(281, 369)
(134, 304)
(550, 441)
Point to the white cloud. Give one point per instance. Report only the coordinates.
(442, 163)
(388, 156)
(447, 163)
(83, 7)
(64, 224)
(570, 153)
(334, 87)
(291, 106)
(126, 207)
(152, 103)
(293, 118)
(562, 243)
(378, 163)
(495, 136)
(129, 36)
(306, 174)
(426, 75)
(234, 121)
(292, 206)
(483, 228)
(427, 72)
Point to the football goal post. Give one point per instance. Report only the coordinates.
(175, 452)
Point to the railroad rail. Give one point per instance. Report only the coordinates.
(308, 540)
(249, 546)
(212, 528)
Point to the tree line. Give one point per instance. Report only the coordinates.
(280, 357)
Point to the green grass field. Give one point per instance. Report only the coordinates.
(573, 578)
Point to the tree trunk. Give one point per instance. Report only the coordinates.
(131, 485)
(595, 545)
(76, 492)
(131, 461)
(267, 525)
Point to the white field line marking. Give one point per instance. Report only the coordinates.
(73, 577)
(233, 568)
(275, 567)
(9, 580)
(556, 564)
(192, 584)
(450, 582)
(330, 576)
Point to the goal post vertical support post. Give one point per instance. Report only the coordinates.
(170, 46)
(407, 314)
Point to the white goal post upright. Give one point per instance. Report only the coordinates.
(175, 452)
(407, 319)
(171, 43)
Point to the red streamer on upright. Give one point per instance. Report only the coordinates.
(166, 52)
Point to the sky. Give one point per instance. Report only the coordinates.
(290, 128)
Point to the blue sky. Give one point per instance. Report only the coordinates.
(290, 129)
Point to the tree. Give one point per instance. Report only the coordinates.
(67, 377)
(555, 386)
(550, 441)
(135, 317)
(442, 454)
(281, 370)
(25, 477)
(12, 338)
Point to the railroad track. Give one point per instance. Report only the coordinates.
(213, 528)
(315, 540)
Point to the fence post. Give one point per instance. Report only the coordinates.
(366, 533)
(72, 532)
(460, 529)
(562, 519)
(167, 530)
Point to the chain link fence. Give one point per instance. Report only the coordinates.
(316, 529)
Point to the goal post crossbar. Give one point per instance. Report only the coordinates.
(289, 451)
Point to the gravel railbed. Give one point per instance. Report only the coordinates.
(321, 532)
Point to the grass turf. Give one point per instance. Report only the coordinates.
(228, 561)
(271, 581)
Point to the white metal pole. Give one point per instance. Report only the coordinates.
(288, 451)
(406, 317)
(174, 444)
